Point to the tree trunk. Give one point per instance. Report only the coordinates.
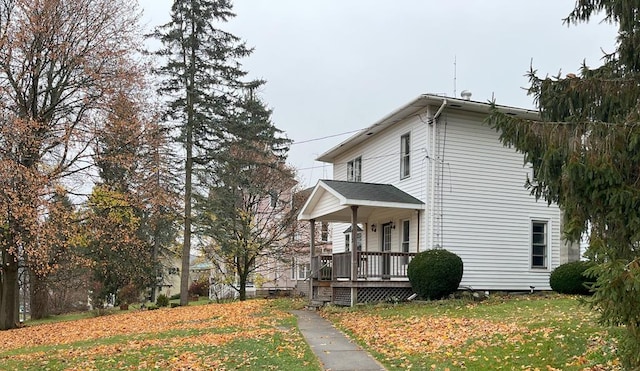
(156, 266)
(188, 168)
(9, 293)
(39, 296)
(243, 287)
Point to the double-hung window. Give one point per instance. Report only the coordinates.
(347, 239)
(354, 170)
(303, 271)
(324, 232)
(405, 240)
(539, 244)
(405, 156)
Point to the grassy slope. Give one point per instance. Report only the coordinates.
(257, 334)
(526, 332)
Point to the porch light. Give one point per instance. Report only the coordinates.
(373, 227)
(393, 225)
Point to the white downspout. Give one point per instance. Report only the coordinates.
(433, 166)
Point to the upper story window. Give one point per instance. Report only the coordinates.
(539, 238)
(405, 156)
(273, 198)
(324, 232)
(354, 170)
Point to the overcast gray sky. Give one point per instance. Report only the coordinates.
(336, 66)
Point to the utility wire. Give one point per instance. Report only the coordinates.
(327, 137)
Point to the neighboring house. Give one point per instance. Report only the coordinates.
(432, 175)
(284, 268)
(169, 278)
(300, 268)
(290, 272)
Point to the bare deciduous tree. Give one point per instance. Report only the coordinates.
(61, 61)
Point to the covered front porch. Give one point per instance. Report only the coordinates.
(376, 233)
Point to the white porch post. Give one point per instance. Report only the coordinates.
(354, 252)
(312, 253)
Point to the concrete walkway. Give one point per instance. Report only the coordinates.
(332, 347)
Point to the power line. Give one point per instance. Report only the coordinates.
(385, 155)
(326, 137)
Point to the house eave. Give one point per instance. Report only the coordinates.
(415, 107)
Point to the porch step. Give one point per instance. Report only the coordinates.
(316, 304)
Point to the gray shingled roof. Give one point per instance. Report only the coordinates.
(371, 192)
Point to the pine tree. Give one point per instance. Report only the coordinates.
(585, 151)
(248, 213)
(157, 188)
(201, 75)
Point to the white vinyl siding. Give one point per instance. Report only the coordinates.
(380, 165)
(487, 212)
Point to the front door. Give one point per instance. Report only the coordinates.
(386, 248)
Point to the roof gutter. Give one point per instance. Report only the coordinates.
(442, 106)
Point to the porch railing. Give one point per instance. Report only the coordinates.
(321, 267)
(372, 264)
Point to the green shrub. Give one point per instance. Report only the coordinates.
(435, 273)
(162, 300)
(175, 297)
(569, 278)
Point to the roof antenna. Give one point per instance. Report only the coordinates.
(455, 71)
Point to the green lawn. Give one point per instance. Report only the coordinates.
(525, 332)
(505, 332)
(258, 334)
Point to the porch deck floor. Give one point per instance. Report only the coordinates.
(334, 350)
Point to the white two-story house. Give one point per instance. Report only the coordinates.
(432, 175)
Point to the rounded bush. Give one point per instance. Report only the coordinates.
(162, 300)
(569, 278)
(435, 273)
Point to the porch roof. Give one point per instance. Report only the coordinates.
(331, 200)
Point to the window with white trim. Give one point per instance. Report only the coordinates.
(303, 271)
(324, 232)
(354, 170)
(405, 240)
(293, 268)
(539, 244)
(347, 239)
(405, 235)
(405, 156)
